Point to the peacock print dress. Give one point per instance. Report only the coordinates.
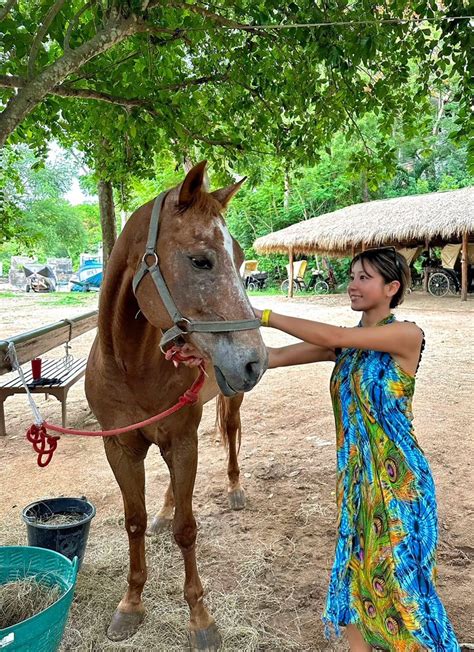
(383, 577)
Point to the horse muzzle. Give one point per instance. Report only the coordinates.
(240, 375)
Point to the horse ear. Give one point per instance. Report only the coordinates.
(224, 195)
(192, 184)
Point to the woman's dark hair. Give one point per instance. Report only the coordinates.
(391, 265)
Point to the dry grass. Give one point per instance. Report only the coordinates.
(66, 518)
(311, 509)
(238, 596)
(22, 599)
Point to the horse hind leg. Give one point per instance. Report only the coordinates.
(229, 425)
(163, 521)
(127, 464)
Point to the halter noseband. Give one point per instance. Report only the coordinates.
(182, 326)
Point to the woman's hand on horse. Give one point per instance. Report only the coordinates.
(257, 312)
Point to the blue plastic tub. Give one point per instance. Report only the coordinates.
(44, 631)
(70, 539)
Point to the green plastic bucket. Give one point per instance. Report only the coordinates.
(44, 631)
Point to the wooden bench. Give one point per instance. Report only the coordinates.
(50, 368)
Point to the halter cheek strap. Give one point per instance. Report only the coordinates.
(181, 324)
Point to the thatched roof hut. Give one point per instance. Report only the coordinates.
(435, 219)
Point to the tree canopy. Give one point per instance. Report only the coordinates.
(127, 78)
(264, 87)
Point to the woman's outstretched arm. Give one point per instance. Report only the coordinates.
(399, 338)
(301, 353)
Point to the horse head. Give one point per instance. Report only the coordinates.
(199, 262)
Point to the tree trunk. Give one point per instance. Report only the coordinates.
(29, 96)
(286, 196)
(364, 187)
(426, 271)
(107, 218)
(464, 264)
(290, 274)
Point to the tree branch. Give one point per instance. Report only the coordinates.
(194, 82)
(18, 107)
(73, 23)
(215, 18)
(66, 90)
(441, 102)
(115, 65)
(62, 90)
(11, 81)
(5, 10)
(41, 33)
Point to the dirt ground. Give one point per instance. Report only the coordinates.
(266, 568)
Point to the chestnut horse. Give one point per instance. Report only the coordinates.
(128, 378)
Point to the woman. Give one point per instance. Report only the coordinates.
(382, 585)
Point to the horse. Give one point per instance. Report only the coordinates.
(172, 277)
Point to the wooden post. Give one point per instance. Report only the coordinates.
(290, 275)
(464, 263)
(363, 246)
(426, 271)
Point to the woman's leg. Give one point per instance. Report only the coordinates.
(356, 640)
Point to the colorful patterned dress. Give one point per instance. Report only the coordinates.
(383, 577)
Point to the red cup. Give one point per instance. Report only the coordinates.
(36, 368)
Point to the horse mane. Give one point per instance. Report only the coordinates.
(203, 203)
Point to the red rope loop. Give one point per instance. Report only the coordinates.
(43, 444)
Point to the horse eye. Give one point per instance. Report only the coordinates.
(201, 262)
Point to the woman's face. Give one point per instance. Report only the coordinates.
(367, 288)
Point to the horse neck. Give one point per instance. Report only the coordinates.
(124, 334)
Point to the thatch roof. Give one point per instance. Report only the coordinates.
(439, 217)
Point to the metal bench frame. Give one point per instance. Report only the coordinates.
(50, 368)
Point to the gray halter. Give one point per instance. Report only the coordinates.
(182, 326)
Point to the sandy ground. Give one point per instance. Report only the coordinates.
(268, 565)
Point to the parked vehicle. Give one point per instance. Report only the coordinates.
(320, 282)
(256, 281)
(89, 277)
(252, 278)
(40, 278)
(444, 274)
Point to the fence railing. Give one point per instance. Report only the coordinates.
(41, 340)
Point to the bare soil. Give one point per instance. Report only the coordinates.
(265, 568)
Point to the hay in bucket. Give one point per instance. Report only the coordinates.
(24, 598)
(59, 519)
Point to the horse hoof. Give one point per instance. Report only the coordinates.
(123, 625)
(159, 525)
(205, 640)
(236, 499)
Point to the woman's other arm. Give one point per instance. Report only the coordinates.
(301, 353)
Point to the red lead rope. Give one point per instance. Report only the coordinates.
(45, 445)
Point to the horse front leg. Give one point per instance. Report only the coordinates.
(228, 422)
(127, 463)
(181, 457)
(164, 519)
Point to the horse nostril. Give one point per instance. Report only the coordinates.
(252, 370)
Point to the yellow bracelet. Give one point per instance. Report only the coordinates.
(265, 318)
